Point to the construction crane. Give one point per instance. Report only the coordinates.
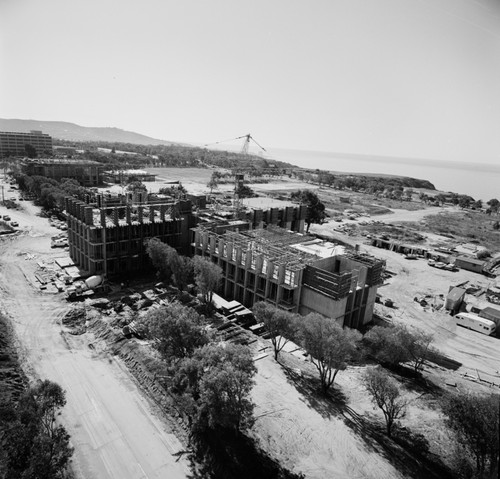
(246, 143)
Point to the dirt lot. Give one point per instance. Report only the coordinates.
(116, 430)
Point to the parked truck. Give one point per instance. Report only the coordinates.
(84, 289)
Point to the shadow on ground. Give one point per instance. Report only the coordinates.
(406, 452)
(230, 455)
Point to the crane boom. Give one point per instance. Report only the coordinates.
(246, 143)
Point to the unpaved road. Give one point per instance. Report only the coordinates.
(113, 427)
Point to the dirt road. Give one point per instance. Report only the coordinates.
(114, 428)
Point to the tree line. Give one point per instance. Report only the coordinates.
(33, 444)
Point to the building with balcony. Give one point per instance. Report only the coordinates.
(14, 143)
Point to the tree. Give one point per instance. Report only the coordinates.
(477, 205)
(385, 345)
(166, 260)
(386, 395)
(474, 419)
(176, 330)
(207, 276)
(494, 204)
(329, 345)
(136, 185)
(418, 344)
(244, 191)
(440, 198)
(36, 447)
(281, 325)
(315, 209)
(214, 387)
(397, 344)
(213, 184)
(30, 150)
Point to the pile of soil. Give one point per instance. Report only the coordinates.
(75, 320)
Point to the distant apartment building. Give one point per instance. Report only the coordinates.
(107, 234)
(295, 272)
(86, 172)
(14, 143)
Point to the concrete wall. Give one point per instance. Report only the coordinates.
(313, 302)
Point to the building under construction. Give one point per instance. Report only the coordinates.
(293, 271)
(107, 234)
(86, 172)
(253, 213)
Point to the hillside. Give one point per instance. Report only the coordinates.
(70, 131)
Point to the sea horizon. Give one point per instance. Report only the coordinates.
(453, 176)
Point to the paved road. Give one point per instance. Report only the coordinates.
(113, 427)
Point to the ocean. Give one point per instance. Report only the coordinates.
(479, 180)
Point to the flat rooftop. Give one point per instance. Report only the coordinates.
(263, 203)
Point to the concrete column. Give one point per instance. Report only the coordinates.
(103, 217)
(116, 216)
(89, 220)
(151, 213)
(163, 210)
(258, 264)
(140, 214)
(128, 215)
(281, 274)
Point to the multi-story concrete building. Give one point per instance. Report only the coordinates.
(86, 172)
(107, 236)
(254, 213)
(295, 272)
(14, 143)
(126, 176)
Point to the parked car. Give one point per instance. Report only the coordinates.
(6, 217)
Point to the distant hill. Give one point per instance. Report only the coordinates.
(70, 131)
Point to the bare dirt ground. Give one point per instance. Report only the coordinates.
(309, 434)
(116, 431)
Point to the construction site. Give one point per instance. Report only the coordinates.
(296, 272)
(107, 235)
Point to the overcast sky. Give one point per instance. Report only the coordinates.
(415, 78)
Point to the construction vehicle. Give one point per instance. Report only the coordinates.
(81, 290)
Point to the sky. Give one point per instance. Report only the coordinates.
(410, 78)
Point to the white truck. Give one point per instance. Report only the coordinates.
(84, 289)
(476, 323)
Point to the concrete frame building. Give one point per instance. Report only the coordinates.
(295, 272)
(107, 236)
(14, 143)
(125, 176)
(86, 172)
(255, 213)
